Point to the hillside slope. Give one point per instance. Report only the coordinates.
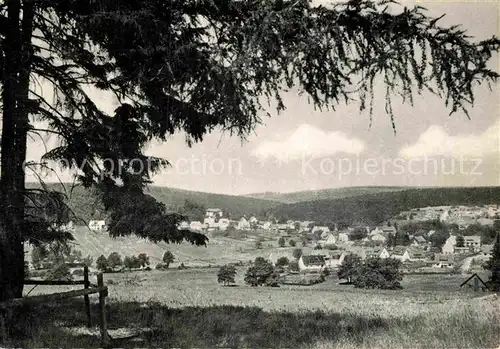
(85, 204)
(377, 208)
(218, 251)
(323, 194)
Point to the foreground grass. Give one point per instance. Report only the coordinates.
(447, 326)
(189, 309)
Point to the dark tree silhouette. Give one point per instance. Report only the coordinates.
(168, 258)
(226, 275)
(349, 267)
(493, 265)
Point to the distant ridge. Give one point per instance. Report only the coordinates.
(324, 194)
(376, 208)
(86, 206)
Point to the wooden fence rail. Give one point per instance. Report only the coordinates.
(88, 289)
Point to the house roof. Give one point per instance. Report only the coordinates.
(311, 260)
(438, 257)
(416, 253)
(399, 250)
(214, 210)
(336, 255)
(472, 238)
(419, 239)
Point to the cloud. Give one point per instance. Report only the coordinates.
(437, 142)
(309, 141)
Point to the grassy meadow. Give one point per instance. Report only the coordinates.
(187, 308)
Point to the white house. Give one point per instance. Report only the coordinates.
(376, 231)
(418, 241)
(97, 225)
(343, 237)
(306, 225)
(443, 261)
(311, 263)
(416, 254)
(223, 223)
(325, 235)
(335, 259)
(183, 225)
(318, 228)
(266, 225)
(377, 252)
(243, 224)
(443, 217)
(473, 242)
(253, 220)
(449, 245)
(213, 212)
(400, 253)
(290, 224)
(196, 225)
(378, 237)
(330, 240)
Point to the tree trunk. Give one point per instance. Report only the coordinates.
(15, 122)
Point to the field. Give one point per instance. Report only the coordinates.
(219, 250)
(187, 308)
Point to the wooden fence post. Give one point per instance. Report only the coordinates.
(102, 310)
(86, 297)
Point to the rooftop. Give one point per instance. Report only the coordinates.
(313, 260)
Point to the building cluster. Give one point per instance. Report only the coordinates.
(416, 258)
(463, 216)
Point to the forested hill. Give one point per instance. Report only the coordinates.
(377, 208)
(86, 206)
(324, 194)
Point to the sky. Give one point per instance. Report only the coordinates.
(305, 149)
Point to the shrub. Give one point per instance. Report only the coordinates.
(297, 253)
(60, 271)
(281, 242)
(168, 258)
(293, 266)
(131, 262)
(292, 243)
(226, 275)
(282, 261)
(378, 273)
(102, 264)
(143, 260)
(114, 260)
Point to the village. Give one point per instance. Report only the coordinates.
(325, 246)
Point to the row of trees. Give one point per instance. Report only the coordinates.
(282, 242)
(114, 261)
(260, 273)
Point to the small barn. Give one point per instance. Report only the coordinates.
(474, 283)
